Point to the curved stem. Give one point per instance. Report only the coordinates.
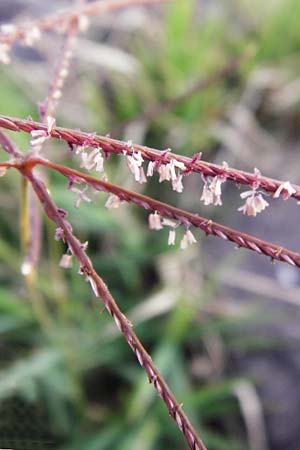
(244, 240)
(101, 290)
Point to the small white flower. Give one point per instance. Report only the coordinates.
(177, 184)
(168, 222)
(163, 173)
(180, 165)
(138, 157)
(50, 124)
(172, 237)
(254, 204)
(92, 160)
(212, 191)
(59, 234)
(285, 189)
(134, 163)
(80, 196)
(38, 137)
(99, 162)
(113, 202)
(155, 221)
(188, 239)
(150, 168)
(171, 170)
(142, 178)
(66, 261)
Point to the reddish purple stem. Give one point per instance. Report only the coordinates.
(108, 145)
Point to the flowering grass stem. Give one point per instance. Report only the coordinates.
(100, 290)
(109, 145)
(55, 21)
(275, 252)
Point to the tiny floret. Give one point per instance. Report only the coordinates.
(80, 196)
(188, 239)
(155, 221)
(134, 163)
(285, 190)
(177, 184)
(66, 261)
(150, 168)
(59, 234)
(113, 202)
(254, 204)
(212, 191)
(50, 124)
(172, 237)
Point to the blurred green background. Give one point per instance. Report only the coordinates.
(221, 325)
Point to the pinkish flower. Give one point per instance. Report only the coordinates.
(188, 239)
(212, 191)
(66, 261)
(113, 202)
(38, 137)
(150, 168)
(285, 189)
(134, 163)
(99, 161)
(50, 123)
(177, 184)
(59, 234)
(164, 173)
(142, 178)
(168, 222)
(155, 221)
(172, 237)
(254, 204)
(80, 196)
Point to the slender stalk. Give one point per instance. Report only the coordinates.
(275, 252)
(58, 20)
(109, 145)
(9, 146)
(100, 289)
(32, 245)
(60, 73)
(24, 212)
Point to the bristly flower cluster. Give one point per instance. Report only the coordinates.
(38, 137)
(171, 171)
(157, 222)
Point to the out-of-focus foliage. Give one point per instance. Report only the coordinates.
(58, 348)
